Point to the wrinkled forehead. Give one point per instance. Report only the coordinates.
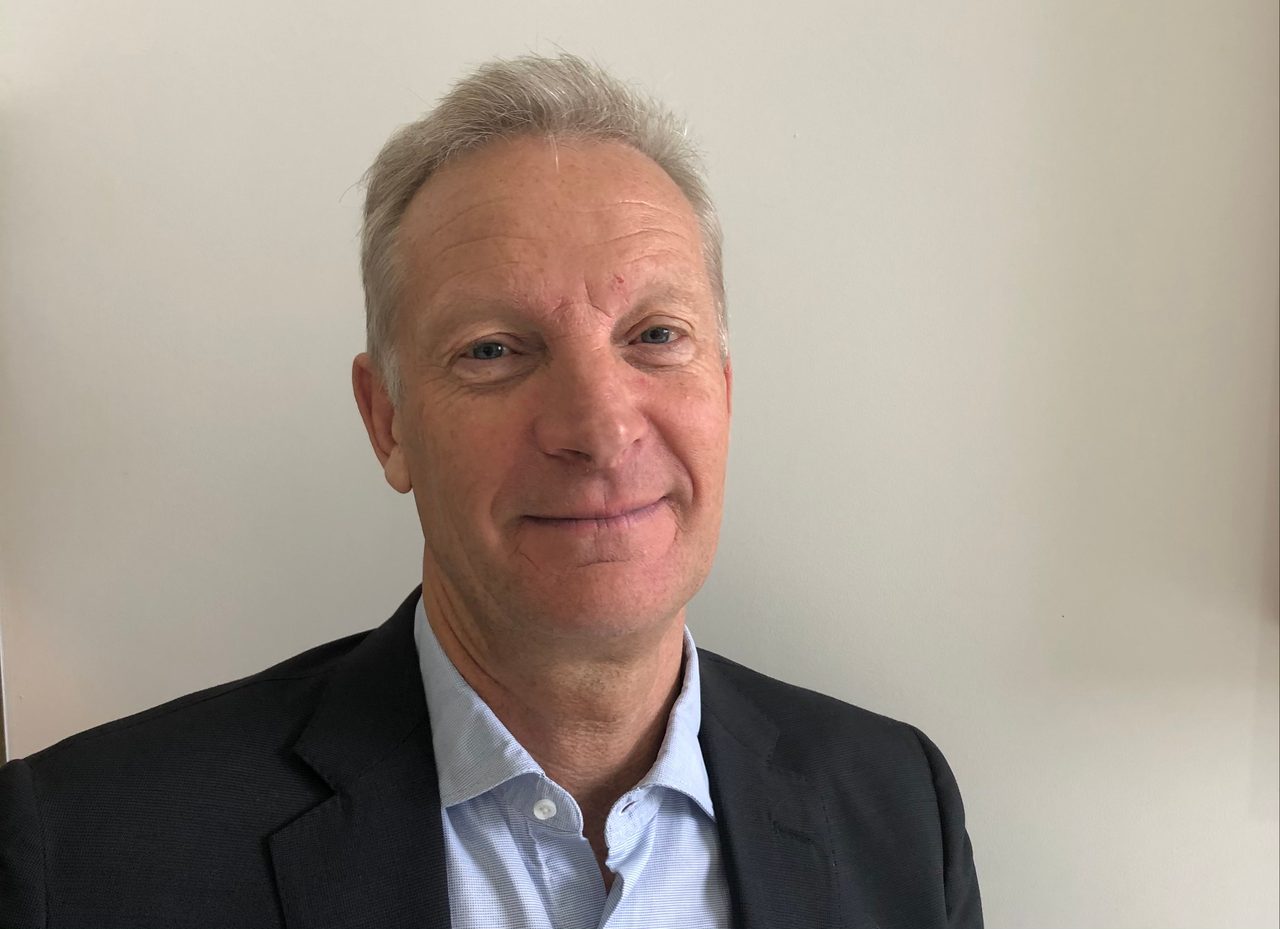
(535, 203)
(533, 181)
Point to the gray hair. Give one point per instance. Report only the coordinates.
(563, 97)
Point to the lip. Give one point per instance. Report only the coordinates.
(617, 518)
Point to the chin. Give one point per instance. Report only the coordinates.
(598, 602)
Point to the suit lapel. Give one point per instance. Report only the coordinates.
(373, 853)
(773, 827)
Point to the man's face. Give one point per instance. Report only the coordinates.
(565, 419)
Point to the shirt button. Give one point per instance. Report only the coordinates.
(544, 809)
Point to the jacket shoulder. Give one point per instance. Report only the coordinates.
(163, 818)
(149, 819)
(269, 698)
(897, 817)
(799, 710)
(844, 751)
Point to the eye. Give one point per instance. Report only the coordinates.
(657, 335)
(487, 351)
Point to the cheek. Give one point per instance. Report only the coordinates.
(696, 427)
(467, 456)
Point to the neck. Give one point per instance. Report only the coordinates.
(593, 716)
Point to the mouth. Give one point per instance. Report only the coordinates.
(600, 520)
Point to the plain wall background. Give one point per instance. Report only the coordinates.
(1003, 282)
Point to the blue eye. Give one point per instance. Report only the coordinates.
(657, 335)
(487, 351)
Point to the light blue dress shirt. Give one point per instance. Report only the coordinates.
(514, 845)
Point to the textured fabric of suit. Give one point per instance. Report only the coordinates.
(306, 796)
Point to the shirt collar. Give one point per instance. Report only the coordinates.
(475, 752)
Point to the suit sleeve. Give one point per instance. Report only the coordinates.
(22, 893)
(964, 904)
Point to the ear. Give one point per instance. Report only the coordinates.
(379, 415)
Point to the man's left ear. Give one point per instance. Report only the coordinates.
(380, 422)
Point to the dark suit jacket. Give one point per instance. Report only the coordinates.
(306, 796)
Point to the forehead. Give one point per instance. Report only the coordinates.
(539, 212)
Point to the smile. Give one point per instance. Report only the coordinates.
(603, 521)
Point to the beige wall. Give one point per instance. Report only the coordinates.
(1004, 289)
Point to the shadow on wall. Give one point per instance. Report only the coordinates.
(1271, 493)
(1265, 803)
(1161, 403)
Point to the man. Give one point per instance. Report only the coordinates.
(532, 740)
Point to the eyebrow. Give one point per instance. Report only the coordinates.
(462, 308)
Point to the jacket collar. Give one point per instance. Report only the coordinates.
(373, 853)
(773, 824)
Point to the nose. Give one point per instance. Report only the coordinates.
(590, 413)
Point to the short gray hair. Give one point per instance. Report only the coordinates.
(564, 97)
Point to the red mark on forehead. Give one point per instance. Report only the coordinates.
(619, 282)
